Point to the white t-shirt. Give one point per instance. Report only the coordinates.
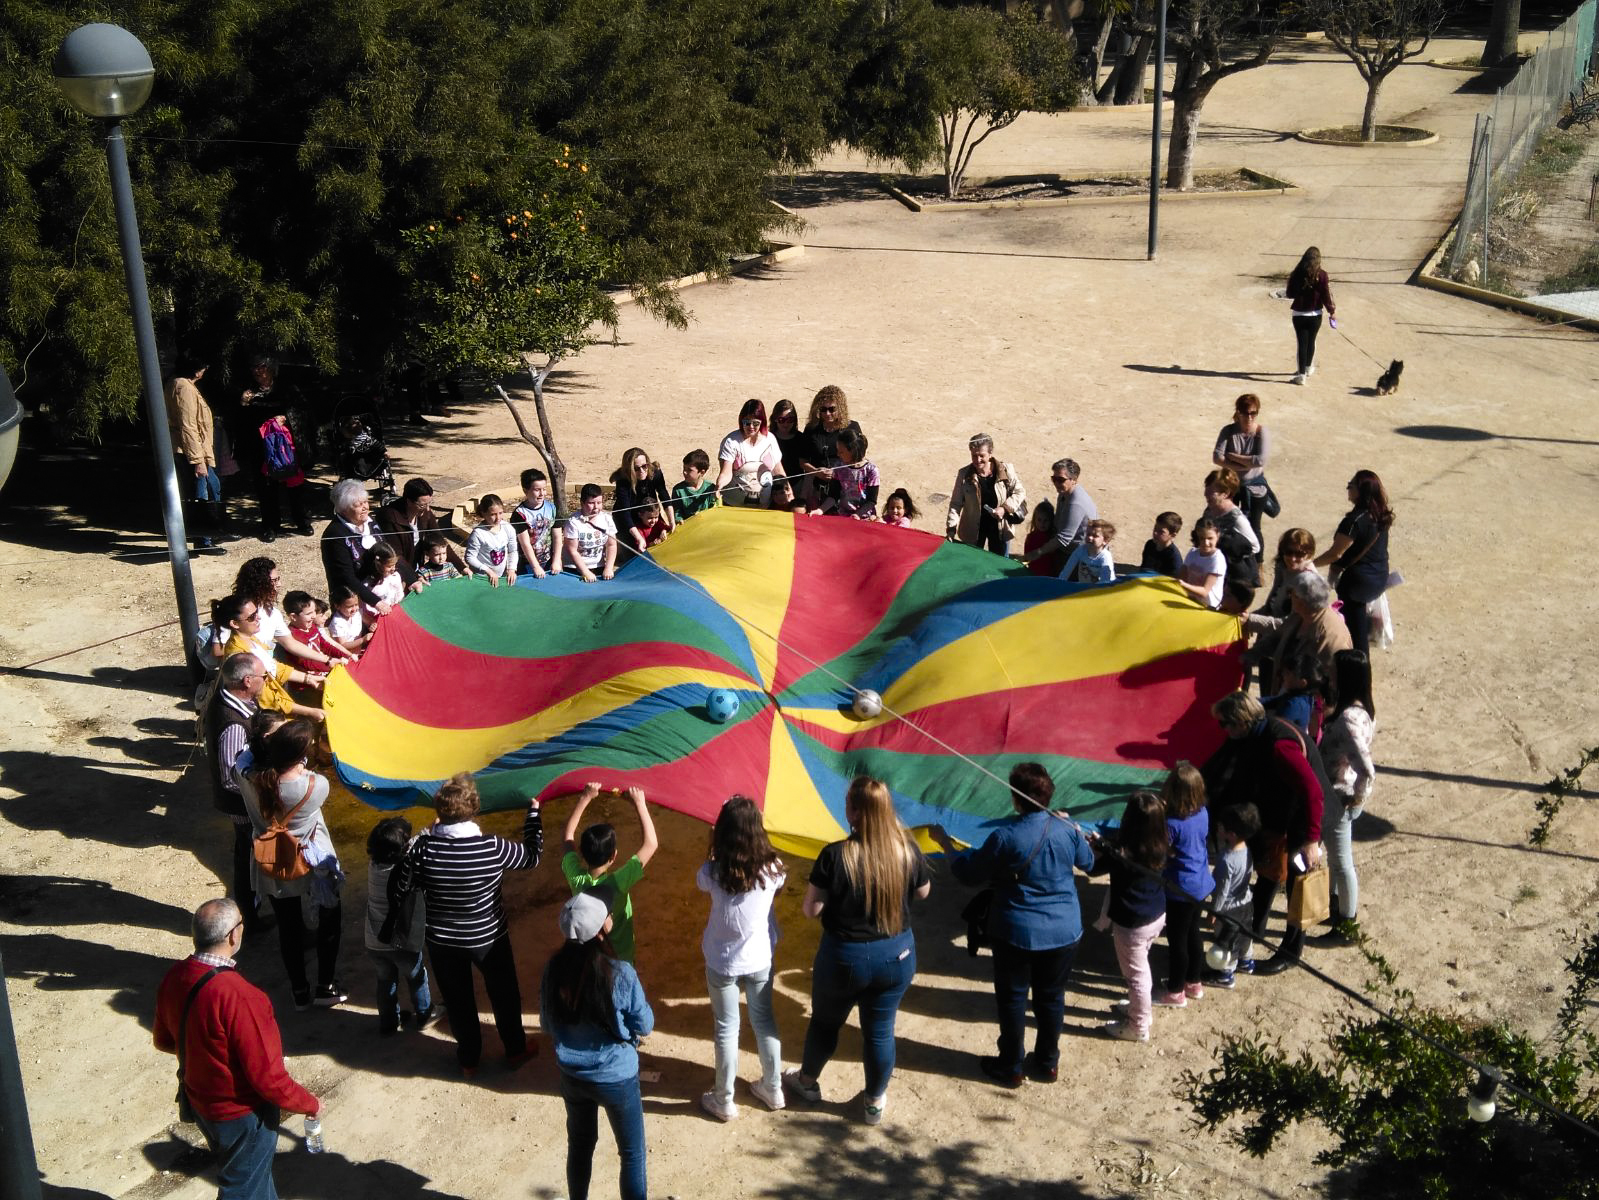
(538, 522)
(345, 629)
(742, 932)
(586, 535)
(390, 588)
(1197, 566)
(273, 625)
(751, 462)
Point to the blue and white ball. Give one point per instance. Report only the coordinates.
(721, 705)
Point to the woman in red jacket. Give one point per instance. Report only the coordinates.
(1310, 295)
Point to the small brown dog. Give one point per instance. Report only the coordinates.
(1388, 384)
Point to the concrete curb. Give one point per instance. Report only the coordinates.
(1309, 135)
(780, 252)
(1274, 186)
(1425, 278)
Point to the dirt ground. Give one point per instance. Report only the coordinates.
(1048, 329)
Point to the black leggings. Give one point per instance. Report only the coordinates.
(292, 935)
(1305, 330)
(1185, 948)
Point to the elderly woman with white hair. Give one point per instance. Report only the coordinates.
(987, 495)
(1300, 648)
(347, 538)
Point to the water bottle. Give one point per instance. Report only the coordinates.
(313, 1136)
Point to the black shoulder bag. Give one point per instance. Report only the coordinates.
(980, 906)
(185, 1109)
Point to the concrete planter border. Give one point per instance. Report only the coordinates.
(1271, 186)
(1426, 278)
(1309, 135)
(776, 253)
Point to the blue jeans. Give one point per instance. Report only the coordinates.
(625, 1109)
(1045, 973)
(244, 1148)
(389, 966)
(1337, 831)
(724, 991)
(873, 975)
(207, 486)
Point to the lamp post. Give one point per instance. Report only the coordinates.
(1154, 137)
(106, 73)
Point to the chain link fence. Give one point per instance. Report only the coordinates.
(1506, 135)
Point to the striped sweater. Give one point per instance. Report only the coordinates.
(461, 876)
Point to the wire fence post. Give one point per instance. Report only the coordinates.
(1487, 190)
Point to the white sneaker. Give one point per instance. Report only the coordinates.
(1310, 370)
(872, 1112)
(1299, 379)
(769, 1095)
(1123, 1031)
(717, 1108)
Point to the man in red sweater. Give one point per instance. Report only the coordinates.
(231, 1057)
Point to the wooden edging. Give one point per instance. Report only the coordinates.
(1309, 135)
(1426, 278)
(780, 252)
(1274, 186)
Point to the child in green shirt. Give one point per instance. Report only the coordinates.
(696, 493)
(592, 860)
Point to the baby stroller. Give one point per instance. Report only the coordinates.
(361, 454)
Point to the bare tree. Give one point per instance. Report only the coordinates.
(1211, 40)
(1377, 36)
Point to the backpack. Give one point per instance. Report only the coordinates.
(279, 446)
(277, 851)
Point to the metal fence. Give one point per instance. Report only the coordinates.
(1522, 112)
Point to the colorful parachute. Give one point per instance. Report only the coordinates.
(543, 687)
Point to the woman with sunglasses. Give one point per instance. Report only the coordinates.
(240, 617)
(749, 458)
(1243, 446)
(643, 510)
(829, 419)
(795, 447)
(1358, 556)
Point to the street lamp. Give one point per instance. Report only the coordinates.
(106, 73)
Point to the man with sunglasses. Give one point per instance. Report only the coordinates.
(1074, 509)
(230, 1054)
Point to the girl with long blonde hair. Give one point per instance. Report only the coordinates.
(862, 889)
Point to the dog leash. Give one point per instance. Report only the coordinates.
(1352, 342)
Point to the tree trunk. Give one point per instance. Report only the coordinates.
(1130, 76)
(545, 445)
(1107, 89)
(1368, 119)
(1503, 29)
(1096, 59)
(1184, 135)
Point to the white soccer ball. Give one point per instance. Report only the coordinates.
(868, 704)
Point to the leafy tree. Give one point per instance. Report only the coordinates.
(290, 140)
(988, 71)
(490, 292)
(1391, 1094)
(1212, 40)
(1378, 36)
(887, 104)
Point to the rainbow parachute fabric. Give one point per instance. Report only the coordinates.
(542, 687)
